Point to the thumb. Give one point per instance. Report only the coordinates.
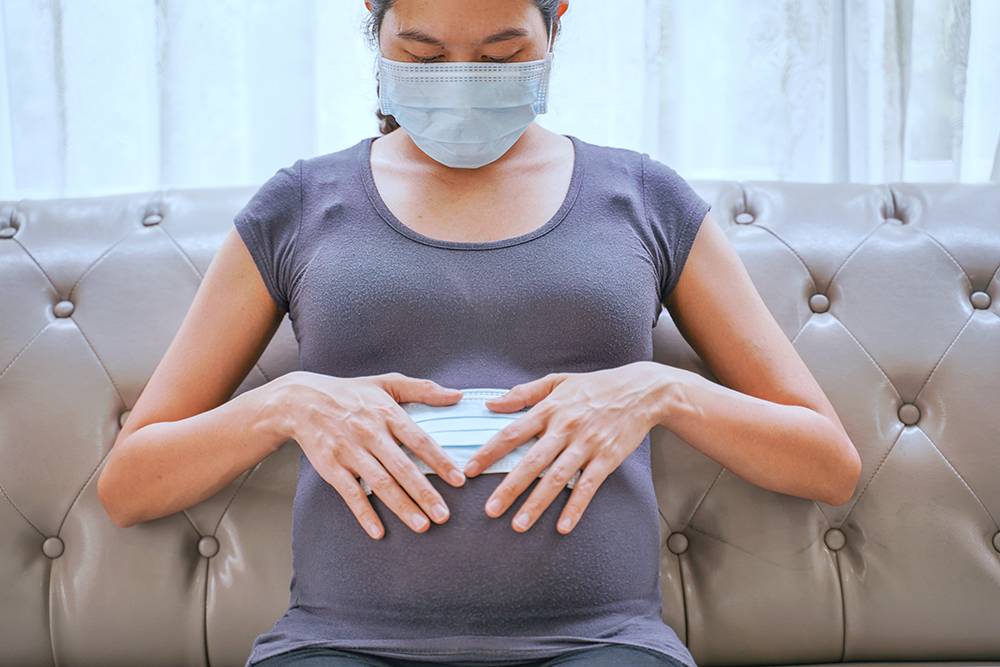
(405, 389)
(525, 395)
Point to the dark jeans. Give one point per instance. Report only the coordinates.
(601, 656)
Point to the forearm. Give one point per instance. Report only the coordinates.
(785, 448)
(165, 467)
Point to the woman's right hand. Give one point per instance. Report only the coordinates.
(353, 427)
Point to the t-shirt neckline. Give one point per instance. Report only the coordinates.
(378, 203)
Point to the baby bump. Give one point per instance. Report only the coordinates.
(474, 574)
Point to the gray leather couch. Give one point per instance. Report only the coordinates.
(890, 293)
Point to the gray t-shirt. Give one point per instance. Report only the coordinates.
(367, 295)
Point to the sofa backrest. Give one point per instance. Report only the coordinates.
(890, 294)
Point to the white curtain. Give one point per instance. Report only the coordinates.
(100, 96)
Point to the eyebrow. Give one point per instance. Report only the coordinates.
(424, 38)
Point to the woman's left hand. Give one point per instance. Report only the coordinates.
(587, 422)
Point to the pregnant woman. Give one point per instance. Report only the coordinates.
(469, 249)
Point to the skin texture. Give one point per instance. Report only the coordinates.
(184, 441)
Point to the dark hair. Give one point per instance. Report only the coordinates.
(373, 26)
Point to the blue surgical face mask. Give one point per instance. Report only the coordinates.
(464, 115)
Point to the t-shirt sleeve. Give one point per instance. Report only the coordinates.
(674, 212)
(269, 226)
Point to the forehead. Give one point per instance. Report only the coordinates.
(461, 19)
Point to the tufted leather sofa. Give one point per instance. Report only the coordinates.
(890, 293)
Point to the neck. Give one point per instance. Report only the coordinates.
(526, 147)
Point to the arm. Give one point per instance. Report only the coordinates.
(183, 441)
(770, 424)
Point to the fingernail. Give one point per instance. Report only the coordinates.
(457, 478)
(493, 507)
(521, 521)
(374, 531)
(565, 525)
(419, 521)
(472, 468)
(439, 512)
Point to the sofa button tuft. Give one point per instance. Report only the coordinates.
(835, 539)
(996, 541)
(63, 309)
(123, 417)
(909, 414)
(8, 232)
(819, 303)
(677, 543)
(152, 219)
(208, 546)
(744, 219)
(53, 547)
(981, 300)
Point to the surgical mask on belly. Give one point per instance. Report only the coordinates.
(463, 428)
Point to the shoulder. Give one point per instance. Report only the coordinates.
(628, 172)
(619, 166)
(338, 163)
(306, 183)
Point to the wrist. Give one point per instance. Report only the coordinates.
(669, 393)
(277, 409)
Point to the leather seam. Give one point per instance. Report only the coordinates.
(261, 370)
(93, 265)
(37, 265)
(80, 492)
(721, 540)
(680, 576)
(20, 513)
(24, 349)
(962, 479)
(233, 497)
(944, 354)
(204, 610)
(180, 250)
(851, 255)
(812, 278)
(191, 522)
(843, 607)
(101, 362)
(2, 373)
(802, 328)
(702, 499)
(872, 478)
(870, 357)
(961, 268)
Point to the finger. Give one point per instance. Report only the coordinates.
(590, 480)
(555, 480)
(405, 389)
(506, 440)
(413, 482)
(424, 446)
(527, 470)
(384, 485)
(352, 493)
(525, 395)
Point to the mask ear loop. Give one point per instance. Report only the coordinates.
(542, 103)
